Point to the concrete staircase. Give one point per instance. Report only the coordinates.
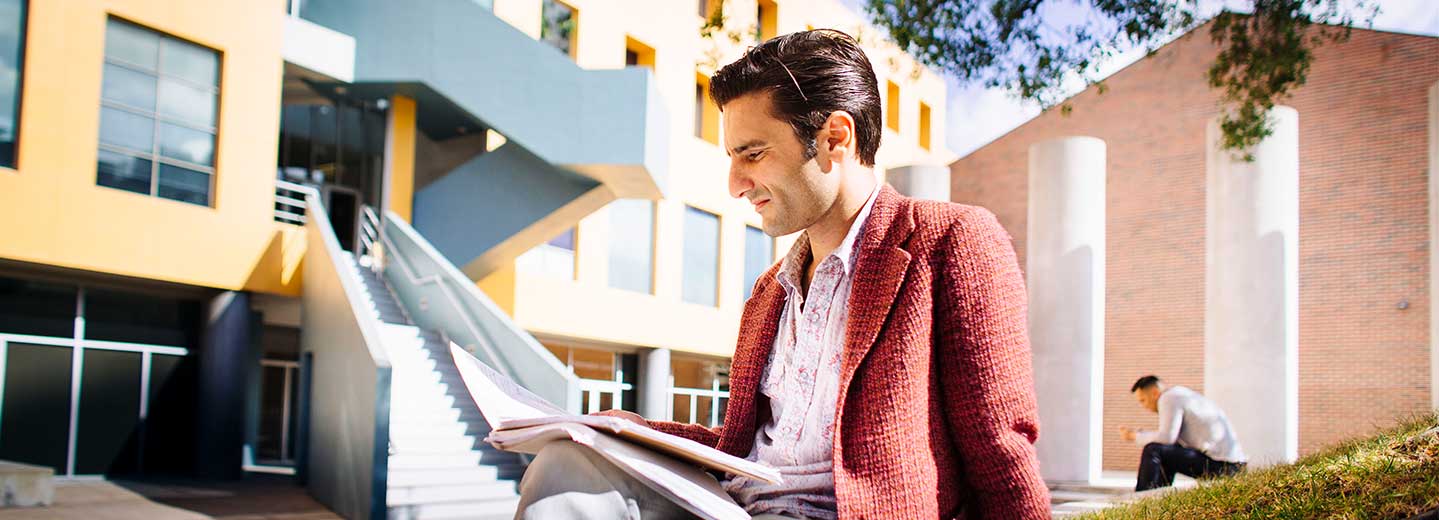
(1069, 499)
(439, 465)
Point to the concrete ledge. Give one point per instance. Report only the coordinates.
(23, 485)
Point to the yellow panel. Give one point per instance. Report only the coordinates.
(51, 210)
(924, 125)
(644, 54)
(401, 157)
(768, 16)
(500, 287)
(709, 115)
(891, 106)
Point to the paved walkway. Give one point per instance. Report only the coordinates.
(98, 500)
(258, 497)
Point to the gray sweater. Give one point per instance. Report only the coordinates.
(1193, 421)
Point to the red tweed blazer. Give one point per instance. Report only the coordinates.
(936, 415)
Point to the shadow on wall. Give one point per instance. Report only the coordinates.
(277, 269)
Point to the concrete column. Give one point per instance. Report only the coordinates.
(227, 357)
(654, 384)
(921, 181)
(1066, 302)
(1251, 314)
(1433, 241)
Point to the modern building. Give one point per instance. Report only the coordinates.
(642, 298)
(1295, 289)
(240, 236)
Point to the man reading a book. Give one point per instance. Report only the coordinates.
(883, 366)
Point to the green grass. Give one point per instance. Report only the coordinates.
(1391, 475)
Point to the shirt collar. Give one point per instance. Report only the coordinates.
(789, 275)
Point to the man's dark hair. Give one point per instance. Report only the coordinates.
(1144, 382)
(810, 74)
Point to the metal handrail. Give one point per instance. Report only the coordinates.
(288, 208)
(714, 393)
(371, 249)
(469, 318)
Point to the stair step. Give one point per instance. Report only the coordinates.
(434, 494)
(451, 415)
(448, 476)
(498, 509)
(1061, 497)
(451, 460)
(449, 448)
(477, 429)
(432, 442)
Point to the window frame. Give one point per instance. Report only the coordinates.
(748, 285)
(21, 36)
(154, 155)
(653, 251)
(574, 37)
(644, 53)
(718, 251)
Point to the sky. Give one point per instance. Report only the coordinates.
(978, 115)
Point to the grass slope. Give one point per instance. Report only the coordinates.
(1392, 475)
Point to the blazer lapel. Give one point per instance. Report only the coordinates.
(758, 328)
(878, 273)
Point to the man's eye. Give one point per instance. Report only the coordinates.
(755, 156)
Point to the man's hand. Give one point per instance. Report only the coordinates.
(626, 415)
(1126, 433)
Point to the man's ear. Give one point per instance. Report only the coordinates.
(835, 139)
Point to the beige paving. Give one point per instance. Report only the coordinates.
(98, 500)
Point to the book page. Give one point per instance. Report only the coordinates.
(681, 483)
(500, 399)
(509, 407)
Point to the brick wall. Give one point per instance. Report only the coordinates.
(1362, 230)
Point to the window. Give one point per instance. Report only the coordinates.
(706, 113)
(708, 9)
(701, 258)
(632, 248)
(637, 54)
(607, 379)
(758, 256)
(700, 392)
(12, 57)
(157, 115)
(767, 14)
(924, 126)
(891, 106)
(559, 26)
(553, 258)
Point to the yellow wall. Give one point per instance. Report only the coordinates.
(51, 210)
(400, 156)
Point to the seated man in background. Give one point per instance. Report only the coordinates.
(1194, 436)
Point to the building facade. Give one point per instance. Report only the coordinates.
(1366, 141)
(241, 236)
(642, 284)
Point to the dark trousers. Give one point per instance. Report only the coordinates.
(1160, 462)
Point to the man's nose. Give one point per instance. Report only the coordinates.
(739, 181)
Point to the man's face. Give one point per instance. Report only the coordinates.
(1148, 398)
(768, 167)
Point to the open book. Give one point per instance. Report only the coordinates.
(524, 423)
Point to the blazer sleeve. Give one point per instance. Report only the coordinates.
(706, 436)
(982, 346)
